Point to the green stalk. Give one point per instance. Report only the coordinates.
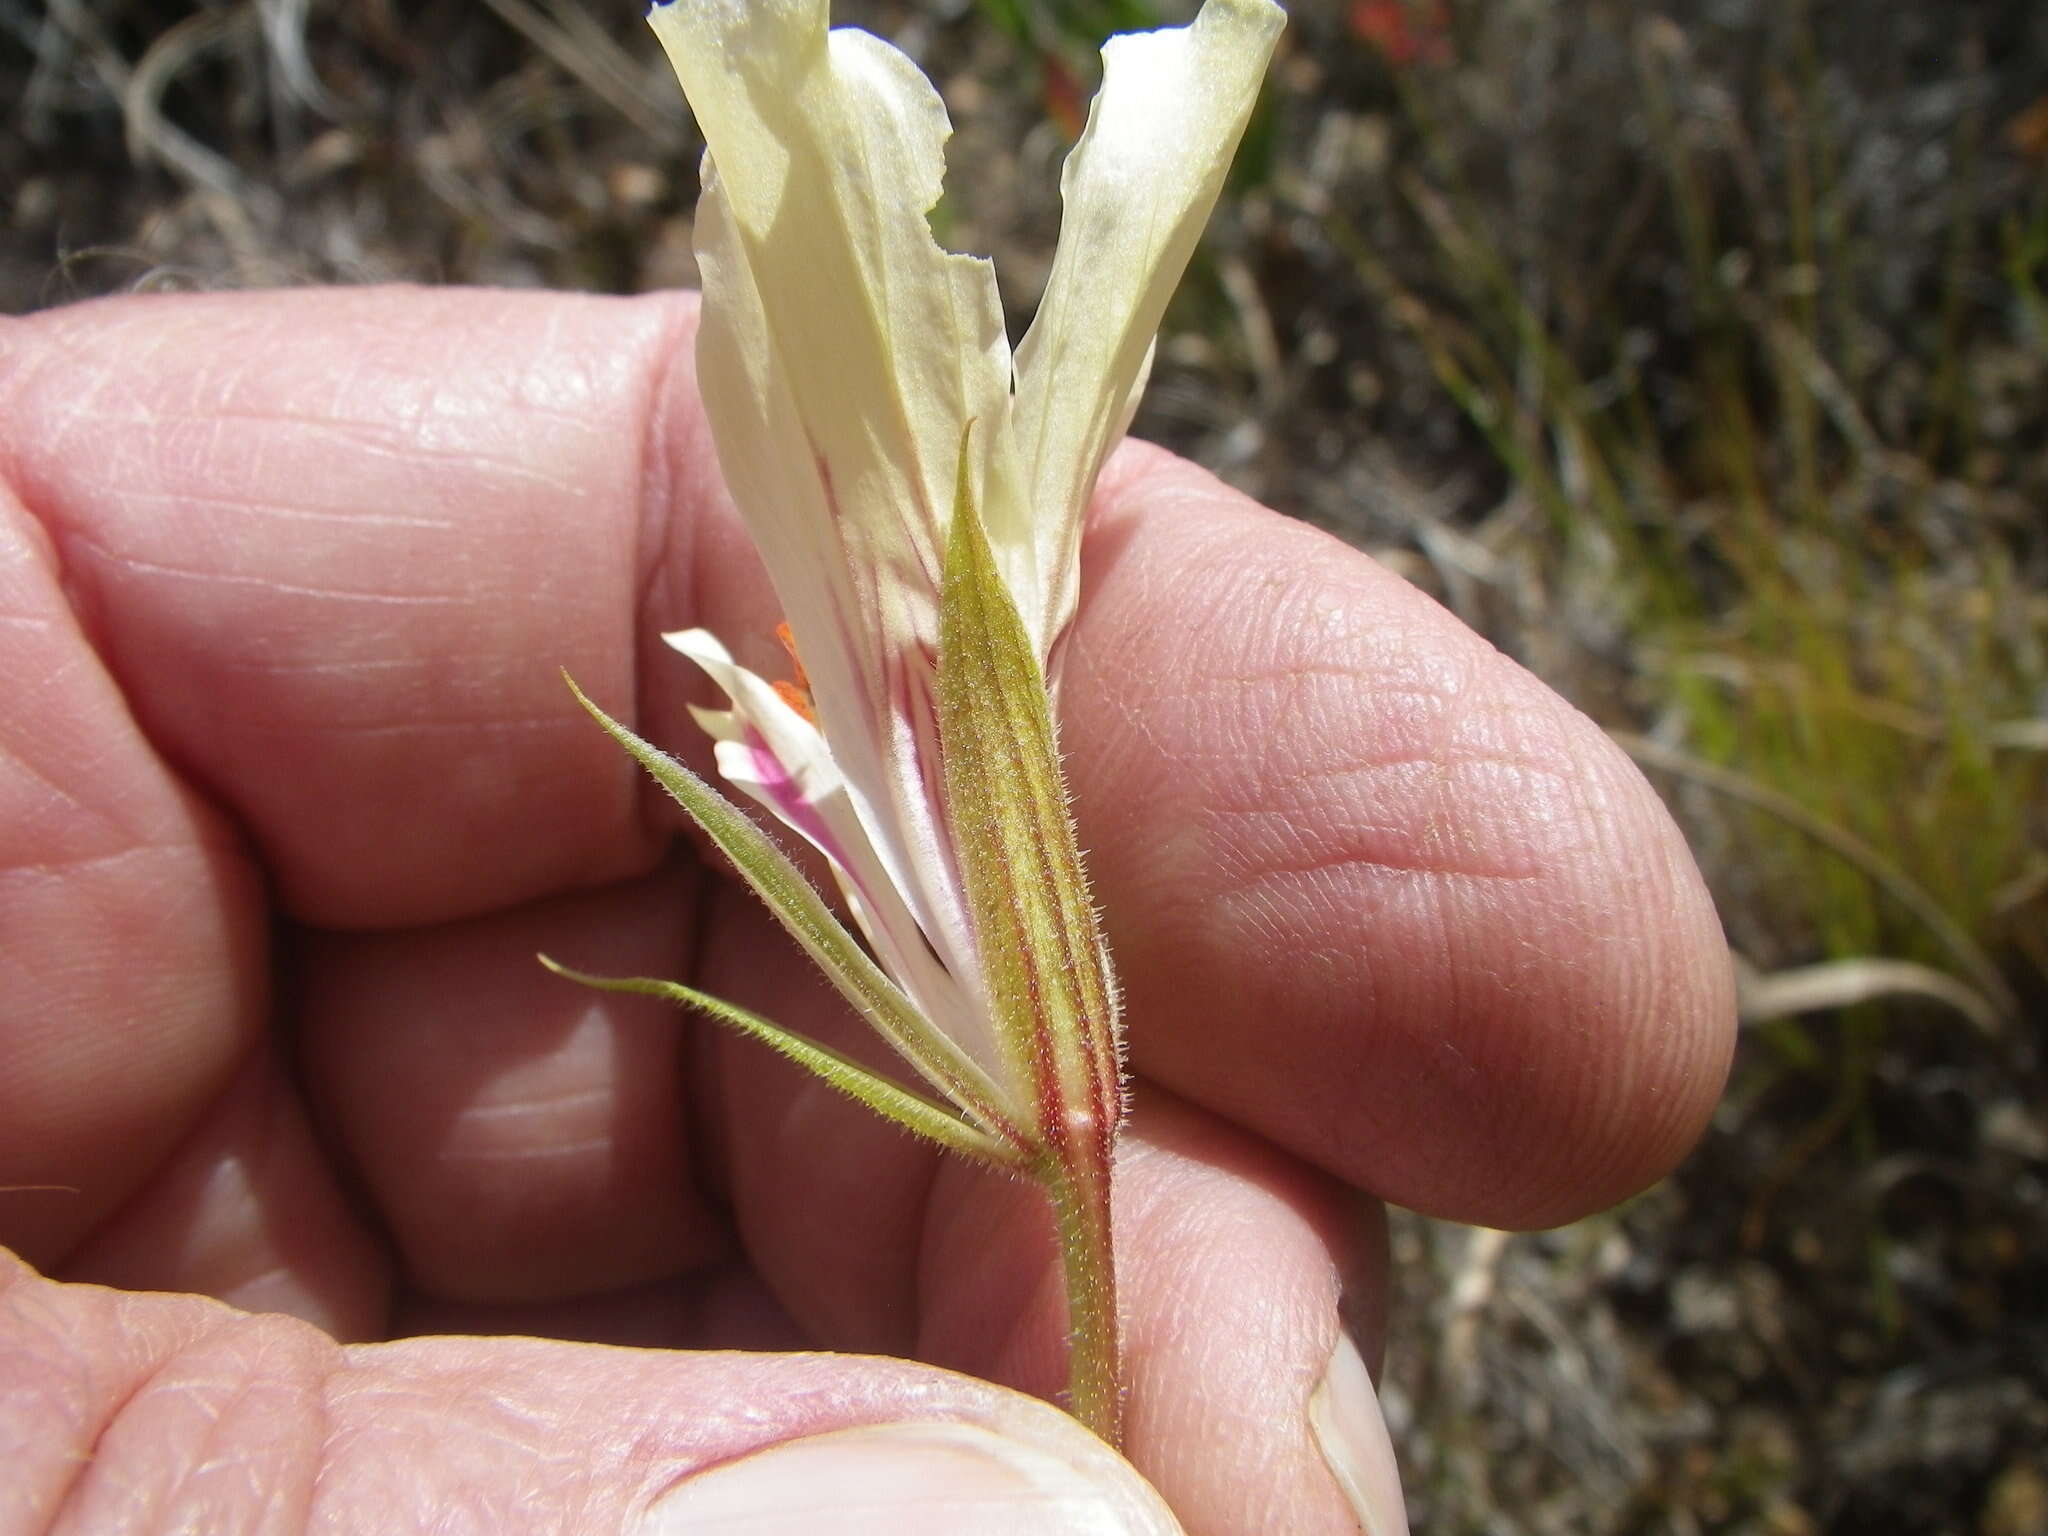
(1080, 1200)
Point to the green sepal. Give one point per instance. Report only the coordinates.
(892, 1101)
(1042, 953)
(1043, 959)
(802, 911)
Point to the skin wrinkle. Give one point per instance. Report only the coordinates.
(71, 868)
(513, 1110)
(1283, 845)
(266, 1397)
(441, 423)
(1384, 683)
(319, 517)
(46, 1372)
(395, 448)
(217, 393)
(503, 468)
(1435, 729)
(216, 1400)
(272, 585)
(60, 800)
(223, 388)
(1414, 719)
(94, 1466)
(509, 725)
(75, 403)
(471, 1418)
(313, 666)
(554, 1150)
(75, 534)
(1394, 827)
(169, 827)
(443, 1388)
(559, 387)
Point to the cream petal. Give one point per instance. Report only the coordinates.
(841, 354)
(1136, 191)
(830, 153)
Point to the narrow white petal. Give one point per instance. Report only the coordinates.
(777, 757)
(1137, 190)
(761, 721)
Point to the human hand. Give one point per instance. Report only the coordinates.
(293, 793)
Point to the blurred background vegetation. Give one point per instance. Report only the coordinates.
(1695, 351)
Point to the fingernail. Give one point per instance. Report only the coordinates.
(1344, 1412)
(905, 1479)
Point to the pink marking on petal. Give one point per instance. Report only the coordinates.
(788, 798)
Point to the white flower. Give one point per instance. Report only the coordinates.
(917, 495)
(843, 356)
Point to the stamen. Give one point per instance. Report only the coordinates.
(796, 695)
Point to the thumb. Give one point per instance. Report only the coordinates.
(146, 1412)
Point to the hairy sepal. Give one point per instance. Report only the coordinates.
(1043, 959)
(773, 876)
(892, 1101)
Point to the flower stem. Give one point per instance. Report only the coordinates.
(1080, 1198)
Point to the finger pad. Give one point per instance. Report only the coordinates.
(319, 536)
(1371, 887)
(524, 1138)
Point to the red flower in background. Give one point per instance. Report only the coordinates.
(1062, 98)
(1406, 31)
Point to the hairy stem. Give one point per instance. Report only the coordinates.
(1080, 1197)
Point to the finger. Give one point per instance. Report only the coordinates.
(520, 1137)
(247, 1209)
(132, 982)
(1372, 888)
(720, 1306)
(1248, 1403)
(1247, 1406)
(337, 547)
(303, 562)
(158, 1411)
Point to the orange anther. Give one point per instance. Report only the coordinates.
(796, 695)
